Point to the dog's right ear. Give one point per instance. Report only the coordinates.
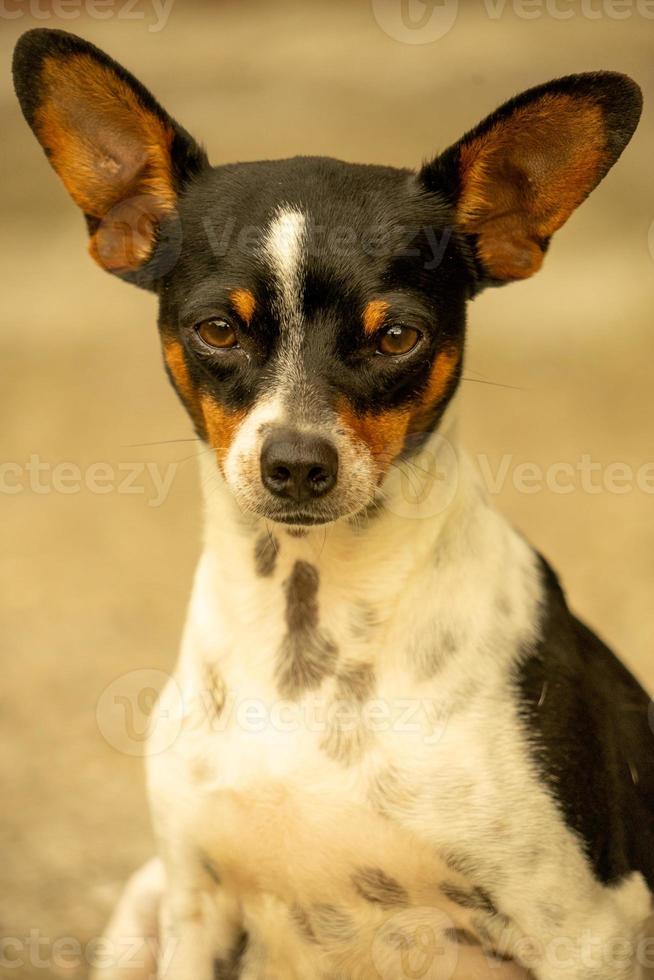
(122, 158)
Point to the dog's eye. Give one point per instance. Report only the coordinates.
(398, 339)
(217, 333)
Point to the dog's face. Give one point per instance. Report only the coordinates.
(325, 340)
(312, 312)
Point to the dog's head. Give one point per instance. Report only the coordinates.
(312, 312)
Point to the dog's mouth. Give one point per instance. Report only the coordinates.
(306, 520)
(301, 518)
(309, 517)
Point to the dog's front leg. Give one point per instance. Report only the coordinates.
(129, 948)
(198, 924)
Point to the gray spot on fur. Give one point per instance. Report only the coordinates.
(210, 868)
(399, 940)
(462, 937)
(553, 913)
(491, 943)
(303, 922)
(355, 682)
(347, 736)
(503, 605)
(215, 692)
(229, 967)
(458, 862)
(390, 795)
(346, 740)
(332, 924)
(474, 898)
(364, 620)
(377, 887)
(430, 653)
(307, 654)
(265, 555)
(498, 957)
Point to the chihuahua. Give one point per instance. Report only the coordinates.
(388, 749)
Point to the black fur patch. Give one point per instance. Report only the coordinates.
(307, 653)
(587, 720)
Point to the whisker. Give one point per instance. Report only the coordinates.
(495, 384)
(195, 455)
(162, 442)
(271, 536)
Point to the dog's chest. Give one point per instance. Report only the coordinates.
(316, 829)
(331, 750)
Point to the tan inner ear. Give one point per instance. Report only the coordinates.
(112, 154)
(523, 178)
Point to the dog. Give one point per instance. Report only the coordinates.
(388, 748)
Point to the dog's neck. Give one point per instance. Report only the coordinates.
(433, 560)
(421, 500)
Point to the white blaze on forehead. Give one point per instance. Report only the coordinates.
(284, 249)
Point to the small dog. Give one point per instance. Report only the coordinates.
(389, 749)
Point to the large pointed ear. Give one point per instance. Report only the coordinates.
(123, 160)
(519, 175)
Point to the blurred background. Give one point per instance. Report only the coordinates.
(100, 501)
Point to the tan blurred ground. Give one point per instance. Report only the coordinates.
(94, 586)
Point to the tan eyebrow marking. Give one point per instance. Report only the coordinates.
(373, 315)
(244, 303)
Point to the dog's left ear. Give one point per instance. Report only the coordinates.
(121, 157)
(519, 175)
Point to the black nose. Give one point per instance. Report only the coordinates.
(298, 466)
